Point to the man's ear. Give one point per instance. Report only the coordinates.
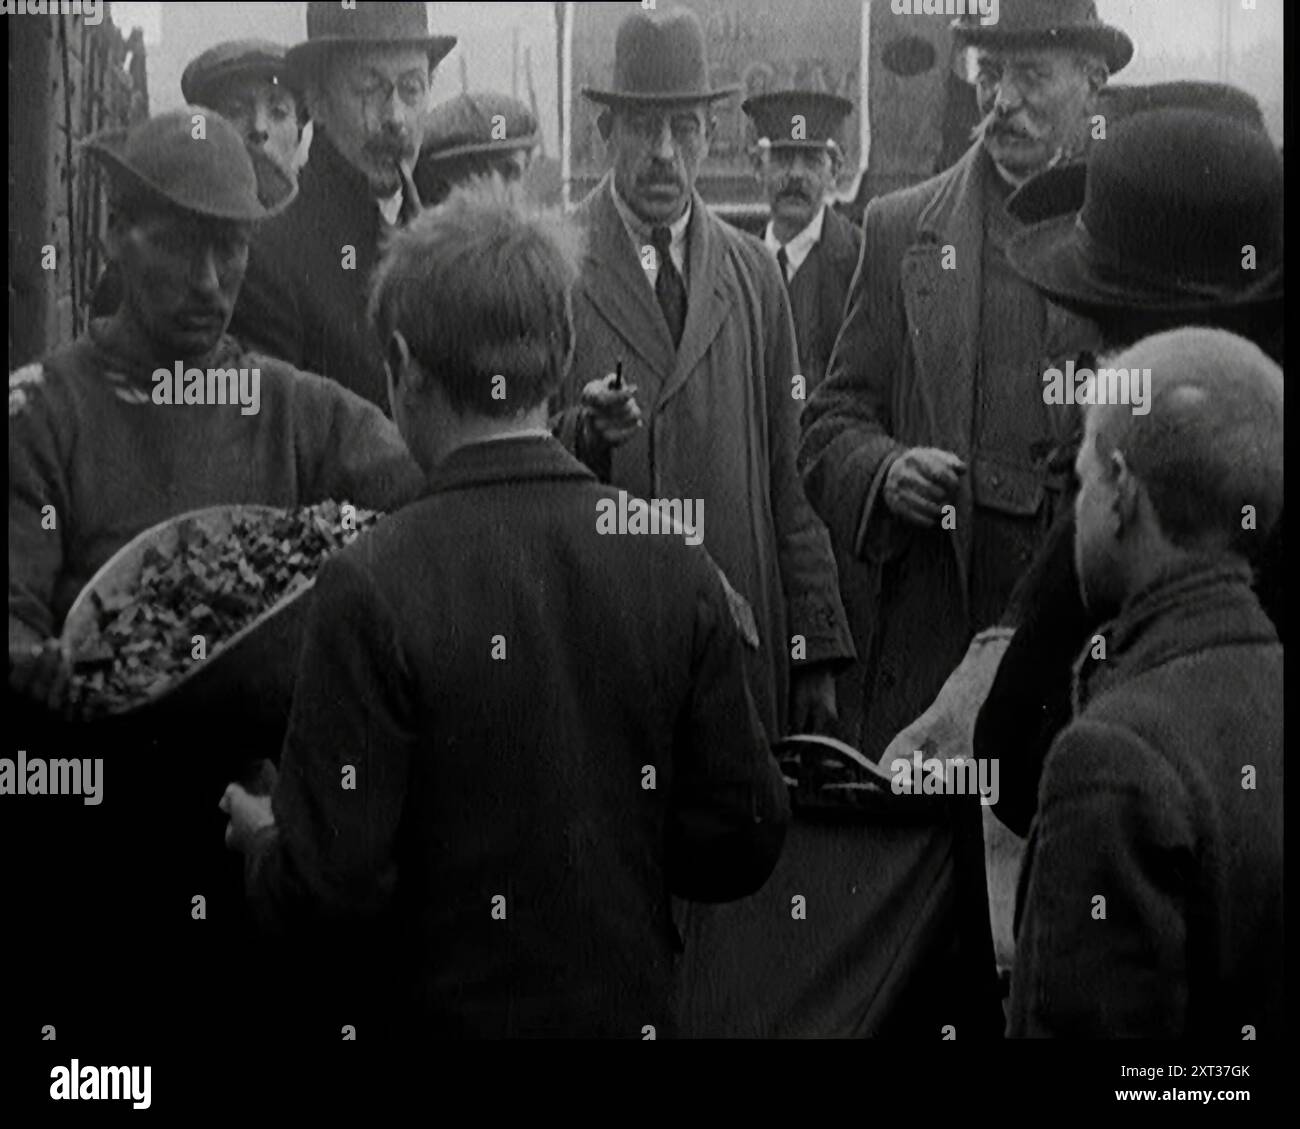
(1127, 491)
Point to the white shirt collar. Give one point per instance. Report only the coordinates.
(639, 232)
(797, 250)
(391, 208)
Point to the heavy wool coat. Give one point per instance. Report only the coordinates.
(501, 741)
(721, 424)
(304, 296)
(1145, 801)
(905, 373)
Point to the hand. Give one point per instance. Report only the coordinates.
(920, 481)
(41, 674)
(610, 415)
(813, 708)
(248, 815)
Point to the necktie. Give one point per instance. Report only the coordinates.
(410, 197)
(669, 287)
(783, 261)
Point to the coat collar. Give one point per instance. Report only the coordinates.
(506, 460)
(1200, 604)
(616, 285)
(838, 242)
(329, 178)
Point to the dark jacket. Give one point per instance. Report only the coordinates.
(1164, 797)
(504, 678)
(304, 296)
(1029, 701)
(819, 292)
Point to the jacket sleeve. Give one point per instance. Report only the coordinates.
(37, 478)
(1029, 702)
(348, 450)
(809, 577)
(729, 808)
(1113, 823)
(267, 316)
(847, 444)
(331, 853)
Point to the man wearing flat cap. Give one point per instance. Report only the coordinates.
(247, 81)
(474, 135)
(698, 316)
(365, 70)
(102, 448)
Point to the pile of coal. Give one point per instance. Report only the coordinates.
(210, 584)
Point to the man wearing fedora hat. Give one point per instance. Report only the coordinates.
(365, 70)
(925, 448)
(472, 135)
(696, 312)
(97, 456)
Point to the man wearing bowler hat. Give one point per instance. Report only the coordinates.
(100, 449)
(365, 70)
(474, 135)
(697, 313)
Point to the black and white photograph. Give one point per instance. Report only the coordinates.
(692, 521)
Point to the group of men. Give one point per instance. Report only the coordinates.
(560, 743)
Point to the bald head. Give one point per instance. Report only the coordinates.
(1211, 444)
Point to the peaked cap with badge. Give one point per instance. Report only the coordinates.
(821, 116)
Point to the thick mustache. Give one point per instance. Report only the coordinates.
(991, 125)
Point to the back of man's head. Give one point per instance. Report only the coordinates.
(1209, 451)
(479, 288)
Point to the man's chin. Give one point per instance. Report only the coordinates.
(1021, 159)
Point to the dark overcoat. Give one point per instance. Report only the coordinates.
(304, 296)
(905, 373)
(721, 424)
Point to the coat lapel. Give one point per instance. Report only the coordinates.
(709, 299)
(943, 305)
(617, 287)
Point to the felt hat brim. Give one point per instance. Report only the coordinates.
(1052, 256)
(273, 183)
(665, 98)
(1109, 42)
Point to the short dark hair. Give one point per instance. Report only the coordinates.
(480, 287)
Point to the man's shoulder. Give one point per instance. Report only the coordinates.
(53, 379)
(902, 208)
